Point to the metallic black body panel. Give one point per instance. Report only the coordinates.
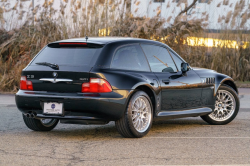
(219, 78)
(181, 92)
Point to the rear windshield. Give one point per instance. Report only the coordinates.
(68, 56)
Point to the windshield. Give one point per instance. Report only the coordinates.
(68, 56)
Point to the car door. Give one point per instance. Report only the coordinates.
(179, 91)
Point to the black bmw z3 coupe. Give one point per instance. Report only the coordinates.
(126, 80)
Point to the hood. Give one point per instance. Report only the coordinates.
(198, 69)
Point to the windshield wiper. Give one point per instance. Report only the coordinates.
(52, 65)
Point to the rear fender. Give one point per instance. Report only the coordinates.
(155, 91)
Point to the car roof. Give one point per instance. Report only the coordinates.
(106, 40)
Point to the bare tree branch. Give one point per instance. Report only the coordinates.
(186, 9)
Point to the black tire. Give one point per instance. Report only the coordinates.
(37, 125)
(211, 121)
(125, 125)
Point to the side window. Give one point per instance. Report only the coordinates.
(130, 57)
(159, 58)
(177, 60)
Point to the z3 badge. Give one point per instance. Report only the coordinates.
(30, 76)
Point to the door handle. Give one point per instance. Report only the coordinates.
(166, 81)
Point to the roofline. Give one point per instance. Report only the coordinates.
(112, 40)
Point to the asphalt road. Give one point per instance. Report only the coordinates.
(187, 141)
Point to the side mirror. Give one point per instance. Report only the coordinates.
(168, 69)
(184, 67)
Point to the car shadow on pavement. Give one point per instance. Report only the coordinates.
(176, 125)
(109, 131)
(85, 131)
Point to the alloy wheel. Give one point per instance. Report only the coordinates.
(141, 114)
(224, 106)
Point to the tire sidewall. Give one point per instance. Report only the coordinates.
(129, 114)
(37, 125)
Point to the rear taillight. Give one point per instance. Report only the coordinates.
(96, 85)
(25, 84)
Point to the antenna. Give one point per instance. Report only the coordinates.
(86, 38)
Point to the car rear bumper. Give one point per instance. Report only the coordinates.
(107, 106)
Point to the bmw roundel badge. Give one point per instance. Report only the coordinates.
(55, 74)
(53, 106)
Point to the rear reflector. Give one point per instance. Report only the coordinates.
(96, 85)
(25, 84)
(72, 43)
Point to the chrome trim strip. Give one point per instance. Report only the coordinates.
(55, 80)
(204, 110)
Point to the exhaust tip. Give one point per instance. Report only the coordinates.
(28, 115)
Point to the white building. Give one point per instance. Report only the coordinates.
(209, 10)
(22, 9)
(214, 10)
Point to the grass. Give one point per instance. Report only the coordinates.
(19, 45)
(241, 84)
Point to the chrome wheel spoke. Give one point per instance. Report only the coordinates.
(134, 116)
(143, 116)
(135, 110)
(229, 105)
(138, 123)
(219, 96)
(136, 106)
(228, 99)
(135, 121)
(224, 96)
(140, 103)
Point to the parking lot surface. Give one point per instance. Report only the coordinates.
(187, 141)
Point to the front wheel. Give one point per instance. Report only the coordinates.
(138, 117)
(40, 124)
(226, 107)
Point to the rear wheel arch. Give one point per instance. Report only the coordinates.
(150, 93)
(145, 89)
